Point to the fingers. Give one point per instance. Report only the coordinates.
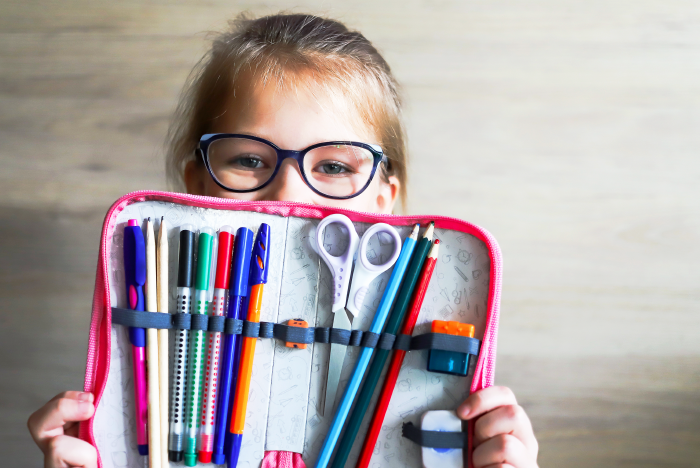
(51, 419)
(503, 450)
(65, 451)
(484, 401)
(509, 419)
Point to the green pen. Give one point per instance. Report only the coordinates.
(197, 356)
(403, 299)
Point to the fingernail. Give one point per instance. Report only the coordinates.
(85, 396)
(463, 411)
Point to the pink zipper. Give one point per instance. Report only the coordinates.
(100, 340)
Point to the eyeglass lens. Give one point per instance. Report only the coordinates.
(334, 170)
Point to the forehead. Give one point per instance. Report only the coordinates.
(292, 108)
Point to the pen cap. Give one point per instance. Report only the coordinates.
(185, 269)
(260, 257)
(134, 255)
(206, 243)
(241, 262)
(223, 262)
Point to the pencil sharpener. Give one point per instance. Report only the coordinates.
(450, 362)
(299, 323)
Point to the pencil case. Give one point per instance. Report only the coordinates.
(287, 383)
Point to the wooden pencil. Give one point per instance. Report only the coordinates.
(163, 295)
(154, 452)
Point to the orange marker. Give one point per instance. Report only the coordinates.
(256, 279)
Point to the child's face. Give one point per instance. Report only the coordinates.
(293, 120)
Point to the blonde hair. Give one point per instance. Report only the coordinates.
(284, 48)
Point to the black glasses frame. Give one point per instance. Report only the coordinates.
(282, 154)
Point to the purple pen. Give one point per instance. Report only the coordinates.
(135, 275)
(238, 291)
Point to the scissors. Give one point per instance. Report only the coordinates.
(346, 305)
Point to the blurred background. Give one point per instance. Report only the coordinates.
(569, 129)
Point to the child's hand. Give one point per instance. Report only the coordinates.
(503, 436)
(54, 429)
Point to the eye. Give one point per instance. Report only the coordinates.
(332, 168)
(248, 162)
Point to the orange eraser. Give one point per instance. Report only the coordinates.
(300, 324)
(453, 328)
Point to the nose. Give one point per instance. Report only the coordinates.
(288, 185)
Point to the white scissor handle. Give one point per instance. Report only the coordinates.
(365, 271)
(340, 266)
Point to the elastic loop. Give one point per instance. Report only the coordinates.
(370, 340)
(355, 338)
(182, 321)
(434, 439)
(386, 341)
(403, 342)
(199, 322)
(251, 329)
(339, 336)
(233, 326)
(267, 330)
(216, 323)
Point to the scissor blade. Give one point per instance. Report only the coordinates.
(335, 363)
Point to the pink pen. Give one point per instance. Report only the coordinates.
(135, 275)
(218, 307)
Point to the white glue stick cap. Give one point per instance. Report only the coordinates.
(443, 421)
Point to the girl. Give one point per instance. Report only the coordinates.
(292, 82)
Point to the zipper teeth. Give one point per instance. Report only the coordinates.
(104, 293)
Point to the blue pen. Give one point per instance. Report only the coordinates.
(135, 278)
(380, 317)
(228, 370)
(257, 278)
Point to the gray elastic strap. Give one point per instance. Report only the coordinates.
(355, 338)
(140, 319)
(370, 340)
(434, 439)
(233, 326)
(386, 341)
(289, 334)
(251, 329)
(216, 323)
(199, 322)
(182, 321)
(459, 344)
(267, 330)
(322, 335)
(339, 336)
(403, 342)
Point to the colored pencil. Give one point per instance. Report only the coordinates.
(380, 317)
(381, 355)
(163, 293)
(397, 359)
(152, 351)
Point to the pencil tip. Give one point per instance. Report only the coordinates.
(429, 232)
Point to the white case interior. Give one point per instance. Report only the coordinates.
(287, 383)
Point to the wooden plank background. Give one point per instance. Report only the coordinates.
(567, 128)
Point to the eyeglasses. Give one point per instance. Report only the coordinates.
(335, 169)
